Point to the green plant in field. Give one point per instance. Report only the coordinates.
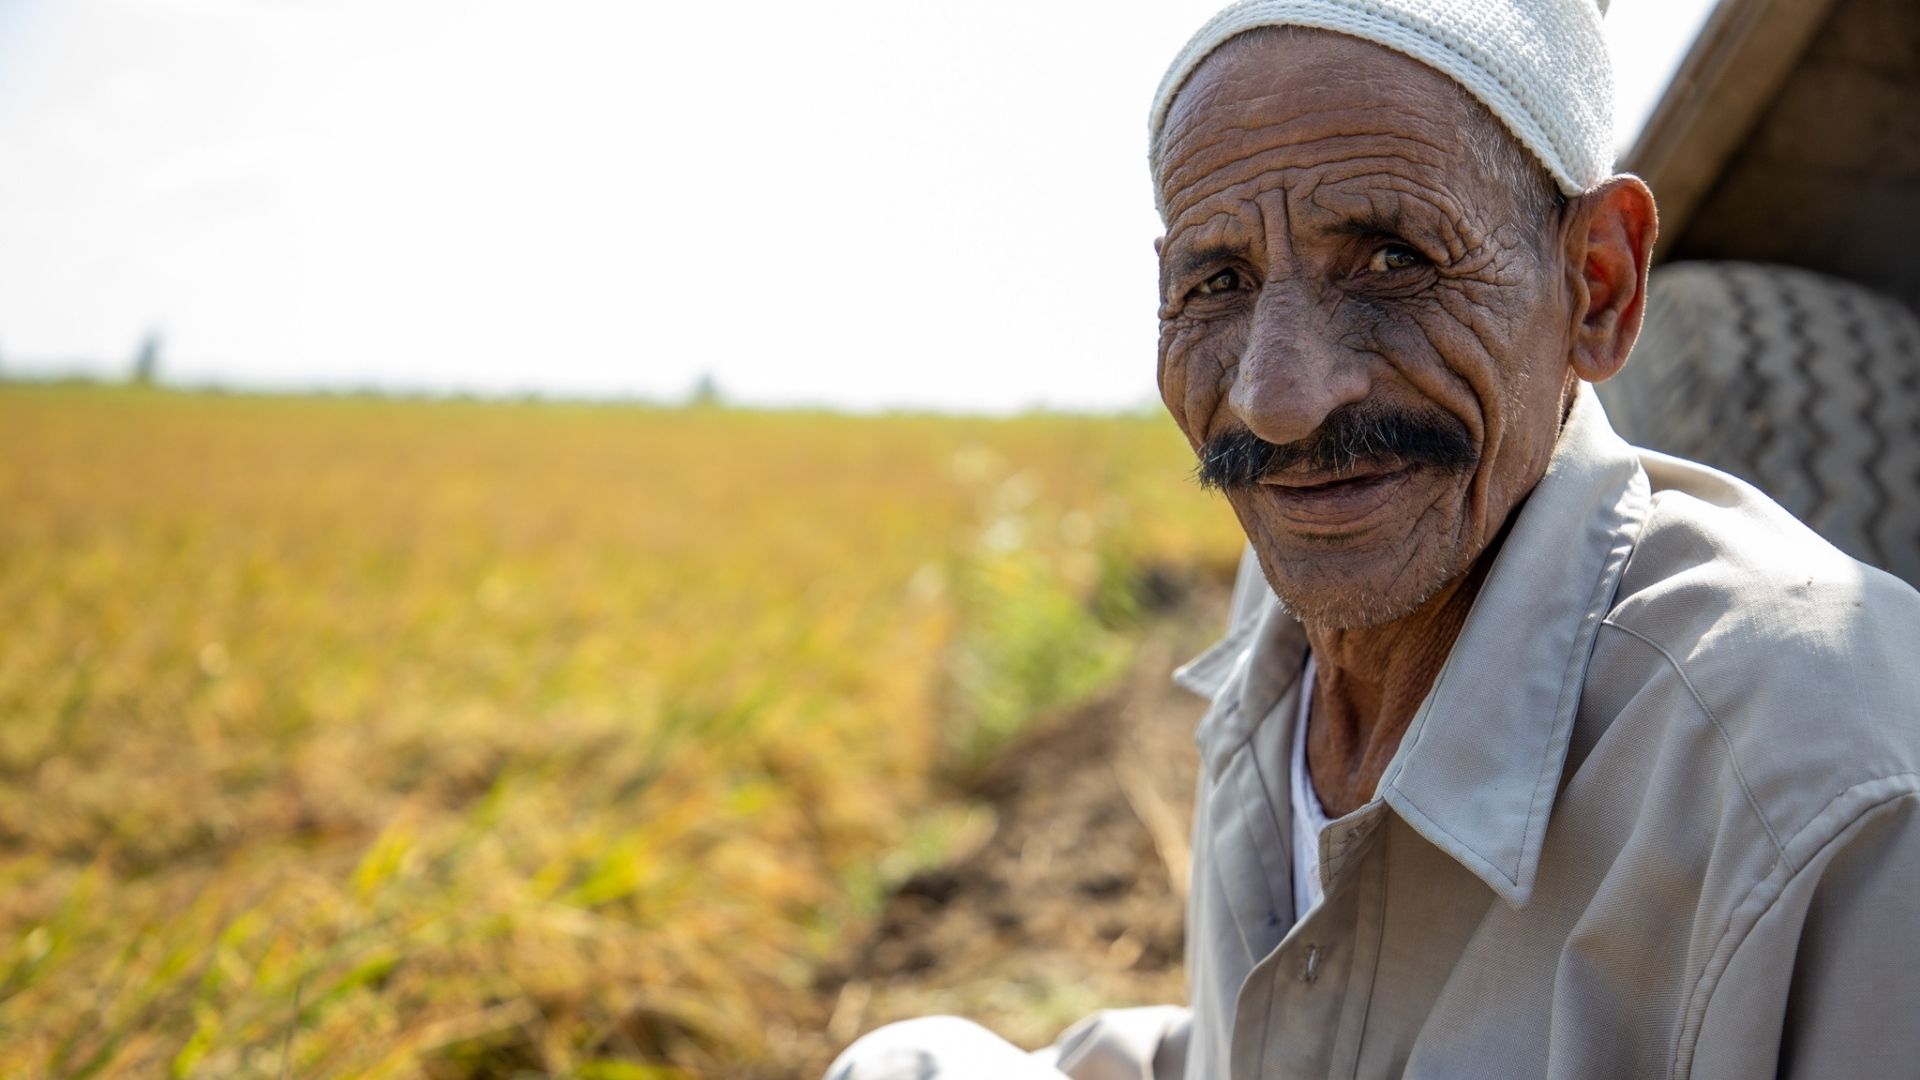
(1030, 644)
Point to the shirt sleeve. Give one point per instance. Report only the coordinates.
(1833, 964)
(1124, 1044)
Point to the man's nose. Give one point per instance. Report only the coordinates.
(1293, 373)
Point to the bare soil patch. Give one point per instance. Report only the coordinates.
(1075, 901)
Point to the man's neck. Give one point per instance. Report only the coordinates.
(1369, 683)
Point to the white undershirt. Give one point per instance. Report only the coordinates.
(1309, 817)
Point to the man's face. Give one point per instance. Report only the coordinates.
(1344, 277)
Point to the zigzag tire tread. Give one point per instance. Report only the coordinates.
(1805, 385)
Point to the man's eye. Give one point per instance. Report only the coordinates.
(1222, 282)
(1394, 257)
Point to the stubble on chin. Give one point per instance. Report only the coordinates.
(1335, 589)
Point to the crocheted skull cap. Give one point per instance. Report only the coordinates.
(1541, 66)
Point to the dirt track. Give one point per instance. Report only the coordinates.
(1074, 902)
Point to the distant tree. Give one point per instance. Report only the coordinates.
(706, 392)
(146, 362)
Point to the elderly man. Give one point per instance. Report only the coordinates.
(1552, 758)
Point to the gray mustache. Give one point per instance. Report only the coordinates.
(1352, 437)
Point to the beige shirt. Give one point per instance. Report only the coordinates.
(1658, 816)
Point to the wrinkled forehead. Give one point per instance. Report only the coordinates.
(1276, 105)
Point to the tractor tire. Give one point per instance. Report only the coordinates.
(1804, 385)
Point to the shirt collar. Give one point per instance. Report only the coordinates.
(1478, 768)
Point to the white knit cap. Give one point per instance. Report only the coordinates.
(1541, 66)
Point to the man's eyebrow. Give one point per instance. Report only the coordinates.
(1374, 223)
(1185, 263)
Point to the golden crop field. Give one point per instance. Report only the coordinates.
(348, 737)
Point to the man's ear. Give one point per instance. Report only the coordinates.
(1609, 249)
(1158, 243)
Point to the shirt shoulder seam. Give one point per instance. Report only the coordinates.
(1738, 929)
(1733, 759)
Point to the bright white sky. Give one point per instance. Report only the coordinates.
(860, 203)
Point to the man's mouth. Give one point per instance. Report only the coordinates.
(1325, 499)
